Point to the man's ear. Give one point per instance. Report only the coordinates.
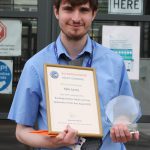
(56, 12)
(94, 14)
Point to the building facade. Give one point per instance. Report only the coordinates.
(37, 20)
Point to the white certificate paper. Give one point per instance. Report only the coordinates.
(72, 99)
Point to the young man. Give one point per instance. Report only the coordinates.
(73, 46)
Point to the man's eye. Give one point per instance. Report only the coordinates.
(68, 8)
(84, 9)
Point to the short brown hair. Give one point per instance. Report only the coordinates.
(93, 3)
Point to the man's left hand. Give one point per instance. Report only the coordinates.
(120, 133)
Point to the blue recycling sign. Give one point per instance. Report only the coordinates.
(5, 77)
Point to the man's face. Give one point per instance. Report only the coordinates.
(74, 21)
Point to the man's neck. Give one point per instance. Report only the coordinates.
(73, 47)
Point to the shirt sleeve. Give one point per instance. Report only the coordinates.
(25, 104)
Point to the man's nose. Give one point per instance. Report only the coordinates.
(76, 17)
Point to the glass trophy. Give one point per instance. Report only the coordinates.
(124, 109)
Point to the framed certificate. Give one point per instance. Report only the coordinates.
(72, 99)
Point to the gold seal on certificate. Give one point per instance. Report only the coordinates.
(72, 99)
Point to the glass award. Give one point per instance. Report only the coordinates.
(124, 109)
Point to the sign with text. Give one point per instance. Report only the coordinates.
(10, 37)
(6, 76)
(129, 7)
(69, 101)
(125, 41)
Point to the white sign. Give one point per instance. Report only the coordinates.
(10, 37)
(6, 76)
(124, 40)
(129, 7)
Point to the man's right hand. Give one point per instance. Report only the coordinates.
(66, 138)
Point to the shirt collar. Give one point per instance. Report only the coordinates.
(61, 49)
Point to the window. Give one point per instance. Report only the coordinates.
(19, 5)
(96, 33)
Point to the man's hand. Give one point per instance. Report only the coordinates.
(65, 138)
(120, 133)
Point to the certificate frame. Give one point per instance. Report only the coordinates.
(72, 99)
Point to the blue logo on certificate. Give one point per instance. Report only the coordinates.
(54, 74)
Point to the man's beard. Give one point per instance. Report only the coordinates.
(74, 37)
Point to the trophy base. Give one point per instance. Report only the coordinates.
(133, 128)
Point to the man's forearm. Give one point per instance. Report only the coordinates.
(65, 138)
(25, 136)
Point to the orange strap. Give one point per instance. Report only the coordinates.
(44, 132)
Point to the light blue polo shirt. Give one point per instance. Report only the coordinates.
(29, 104)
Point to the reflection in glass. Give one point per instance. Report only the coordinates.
(29, 47)
(18, 5)
(147, 8)
(96, 33)
(103, 6)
